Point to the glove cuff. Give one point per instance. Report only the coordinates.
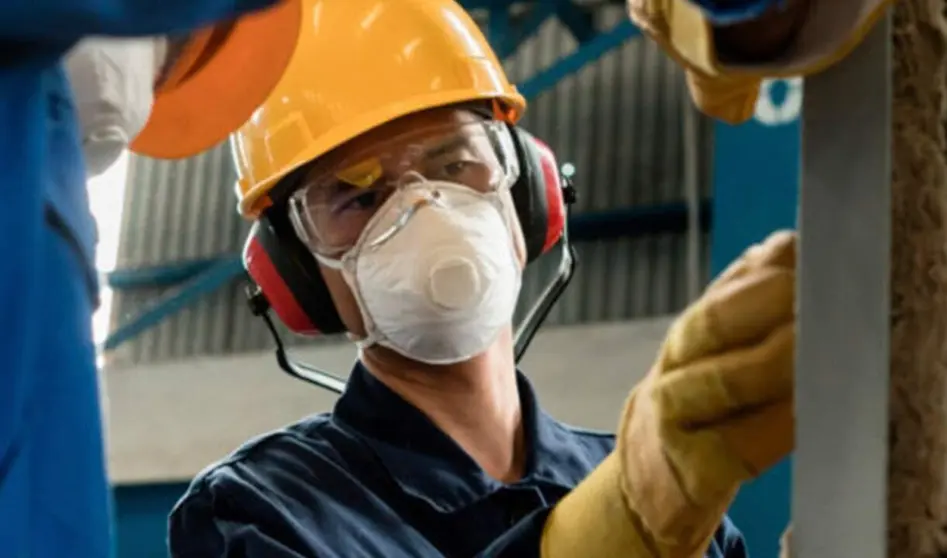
(653, 487)
(595, 520)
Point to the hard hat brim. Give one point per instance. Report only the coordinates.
(215, 88)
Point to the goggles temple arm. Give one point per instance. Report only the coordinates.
(540, 311)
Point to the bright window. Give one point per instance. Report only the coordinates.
(107, 197)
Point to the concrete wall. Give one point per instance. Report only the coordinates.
(169, 420)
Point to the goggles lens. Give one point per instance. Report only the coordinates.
(338, 199)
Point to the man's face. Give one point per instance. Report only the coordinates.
(343, 190)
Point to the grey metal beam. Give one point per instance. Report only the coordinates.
(842, 368)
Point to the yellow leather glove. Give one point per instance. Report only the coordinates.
(715, 411)
(728, 90)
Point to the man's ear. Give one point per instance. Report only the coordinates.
(344, 301)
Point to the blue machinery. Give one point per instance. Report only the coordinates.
(755, 181)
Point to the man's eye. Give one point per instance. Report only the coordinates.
(456, 167)
(365, 200)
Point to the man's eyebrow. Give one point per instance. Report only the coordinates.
(446, 147)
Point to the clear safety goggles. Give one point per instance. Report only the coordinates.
(337, 200)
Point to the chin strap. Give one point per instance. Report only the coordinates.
(528, 328)
(261, 307)
(525, 332)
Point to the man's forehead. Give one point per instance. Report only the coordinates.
(363, 160)
(407, 131)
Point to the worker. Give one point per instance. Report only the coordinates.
(728, 47)
(395, 200)
(54, 498)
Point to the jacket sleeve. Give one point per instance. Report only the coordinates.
(230, 512)
(204, 526)
(524, 540)
(66, 21)
(730, 540)
(727, 89)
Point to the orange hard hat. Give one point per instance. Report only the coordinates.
(357, 65)
(220, 77)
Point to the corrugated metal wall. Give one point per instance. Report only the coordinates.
(618, 120)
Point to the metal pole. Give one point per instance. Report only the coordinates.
(691, 140)
(839, 502)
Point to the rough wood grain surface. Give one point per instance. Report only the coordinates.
(917, 508)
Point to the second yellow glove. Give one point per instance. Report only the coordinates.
(727, 89)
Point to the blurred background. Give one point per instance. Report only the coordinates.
(666, 200)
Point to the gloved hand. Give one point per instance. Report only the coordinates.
(693, 32)
(715, 411)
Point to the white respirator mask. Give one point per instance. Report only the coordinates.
(435, 272)
(113, 84)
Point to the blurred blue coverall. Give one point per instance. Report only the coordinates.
(54, 499)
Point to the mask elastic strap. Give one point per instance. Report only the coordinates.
(332, 263)
(363, 343)
(342, 265)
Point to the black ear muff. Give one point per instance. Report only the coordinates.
(289, 277)
(537, 194)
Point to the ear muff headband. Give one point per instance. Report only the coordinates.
(291, 281)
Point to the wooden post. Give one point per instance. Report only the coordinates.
(918, 433)
(872, 462)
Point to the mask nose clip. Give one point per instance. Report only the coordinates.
(410, 179)
(402, 221)
(419, 185)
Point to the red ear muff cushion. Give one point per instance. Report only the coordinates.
(537, 195)
(262, 271)
(290, 279)
(555, 203)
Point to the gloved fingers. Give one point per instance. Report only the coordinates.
(714, 389)
(710, 463)
(778, 249)
(705, 468)
(762, 438)
(729, 99)
(737, 314)
(647, 15)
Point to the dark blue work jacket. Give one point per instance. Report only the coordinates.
(376, 478)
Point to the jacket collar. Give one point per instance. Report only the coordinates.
(427, 464)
